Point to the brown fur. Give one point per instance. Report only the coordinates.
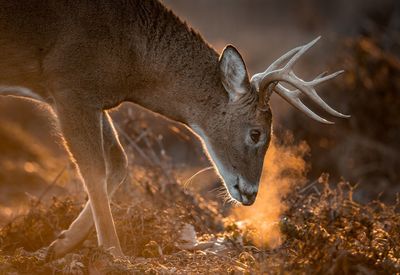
(84, 57)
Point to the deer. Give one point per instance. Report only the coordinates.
(84, 58)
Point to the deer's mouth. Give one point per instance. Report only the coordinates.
(243, 192)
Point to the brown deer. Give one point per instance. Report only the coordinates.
(83, 58)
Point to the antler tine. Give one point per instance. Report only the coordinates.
(300, 53)
(293, 98)
(308, 89)
(274, 75)
(324, 77)
(256, 79)
(293, 54)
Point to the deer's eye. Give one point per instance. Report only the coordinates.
(255, 135)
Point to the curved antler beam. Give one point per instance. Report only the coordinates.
(273, 74)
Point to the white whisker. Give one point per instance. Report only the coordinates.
(188, 181)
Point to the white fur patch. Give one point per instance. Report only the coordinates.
(220, 167)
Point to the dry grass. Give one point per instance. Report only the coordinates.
(323, 230)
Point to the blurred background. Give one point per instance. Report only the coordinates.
(360, 36)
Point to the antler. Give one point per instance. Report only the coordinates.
(273, 75)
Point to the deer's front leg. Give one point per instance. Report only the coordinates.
(82, 130)
(116, 172)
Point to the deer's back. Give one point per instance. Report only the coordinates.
(106, 42)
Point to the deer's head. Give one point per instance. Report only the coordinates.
(238, 140)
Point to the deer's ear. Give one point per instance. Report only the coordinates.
(233, 73)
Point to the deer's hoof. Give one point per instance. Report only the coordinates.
(59, 247)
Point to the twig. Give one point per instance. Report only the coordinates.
(311, 185)
(154, 156)
(242, 265)
(142, 134)
(50, 186)
(133, 143)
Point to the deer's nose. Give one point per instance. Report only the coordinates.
(246, 192)
(248, 198)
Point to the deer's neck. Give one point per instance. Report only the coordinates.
(182, 72)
